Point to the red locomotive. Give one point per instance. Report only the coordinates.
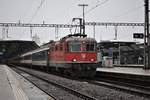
(75, 54)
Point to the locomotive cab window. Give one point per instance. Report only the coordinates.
(90, 47)
(74, 46)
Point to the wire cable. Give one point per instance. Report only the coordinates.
(97, 5)
(128, 11)
(38, 8)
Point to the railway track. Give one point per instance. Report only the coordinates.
(76, 95)
(96, 89)
(131, 85)
(136, 88)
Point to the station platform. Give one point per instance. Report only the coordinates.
(15, 87)
(125, 70)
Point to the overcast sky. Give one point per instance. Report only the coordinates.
(62, 12)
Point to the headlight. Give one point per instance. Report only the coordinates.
(92, 59)
(74, 60)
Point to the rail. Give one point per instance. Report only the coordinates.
(69, 90)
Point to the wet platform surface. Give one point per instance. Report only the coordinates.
(15, 87)
(125, 70)
(5, 87)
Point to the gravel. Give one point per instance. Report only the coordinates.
(53, 90)
(99, 92)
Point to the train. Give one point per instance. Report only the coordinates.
(74, 54)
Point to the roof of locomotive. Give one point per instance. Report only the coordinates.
(73, 37)
(77, 37)
(85, 39)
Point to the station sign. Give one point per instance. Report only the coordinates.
(138, 35)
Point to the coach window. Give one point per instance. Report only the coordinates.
(90, 46)
(21, 58)
(51, 49)
(27, 57)
(56, 48)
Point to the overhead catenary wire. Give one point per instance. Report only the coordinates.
(128, 11)
(35, 13)
(66, 9)
(38, 8)
(97, 5)
(92, 8)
